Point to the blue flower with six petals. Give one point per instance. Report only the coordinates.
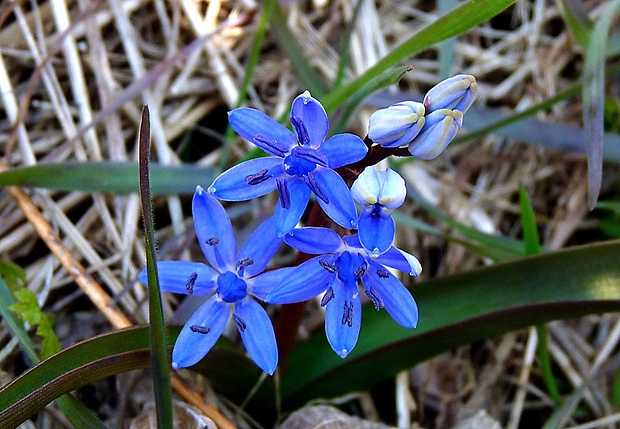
(235, 278)
(300, 163)
(342, 263)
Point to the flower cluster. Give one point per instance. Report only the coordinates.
(301, 163)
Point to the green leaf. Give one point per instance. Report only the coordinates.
(15, 324)
(453, 23)
(159, 353)
(457, 310)
(12, 274)
(50, 344)
(27, 306)
(113, 177)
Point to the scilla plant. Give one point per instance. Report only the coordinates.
(357, 258)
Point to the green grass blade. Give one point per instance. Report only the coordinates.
(113, 177)
(576, 18)
(448, 46)
(457, 310)
(594, 99)
(259, 39)
(159, 351)
(533, 247)
(294, 52)
(528, 222)
(459, 20)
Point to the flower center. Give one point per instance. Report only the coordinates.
(352, 266)
(231, 288)
(298, 162)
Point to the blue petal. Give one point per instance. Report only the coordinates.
(200, 333)
(306, 281)
(312, 116)
(261, 285)
(340, 208)
(189, 278)
(376, 232)
(343, 149)
(250, 179)
(400, 260)
(214, 231)
(343, 318)
(260, 248)
(314, 240)
(395, 297)
(258, 128)
(257, 334)
(287, 219)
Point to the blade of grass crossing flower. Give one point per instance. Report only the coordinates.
(453, 23)
(594, 99)
(447, 47)
(294, 52)
(76, 412)
(533, 247)
(259, 39)
(159, 351)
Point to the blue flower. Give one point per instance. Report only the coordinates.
(300, 163)
(342, 263)
(379, 193)
(235, 277)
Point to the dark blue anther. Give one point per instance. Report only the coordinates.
(191, 281)
(347, 315)
(383, 274)
(330, 268)
(272, 144)
(300, 129)
(199, 329)
(255, 179)
(327, 297)
(239, 322)
(360, 271)
(212, 241)
(285, 195)
(311, 182)
(242, 264)
(312, 155)
(375, 298)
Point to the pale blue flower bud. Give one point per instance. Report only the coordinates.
(379, 193)
(440, 128)
(386, 188)
(396, 125)
(455, 93)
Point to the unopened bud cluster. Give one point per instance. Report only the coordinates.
(426, 128)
